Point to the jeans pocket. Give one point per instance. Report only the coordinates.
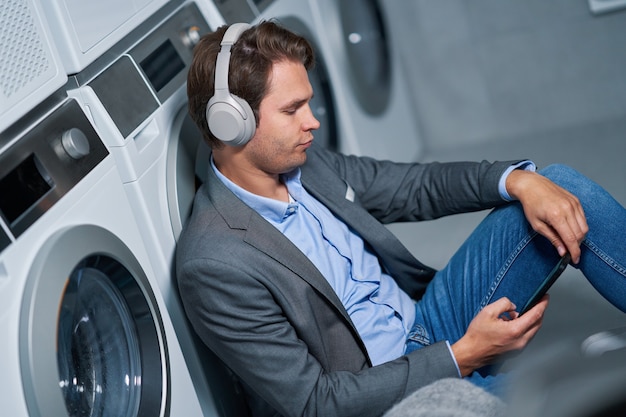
(418, 338)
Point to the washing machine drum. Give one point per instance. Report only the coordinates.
(104, 322)
(365, 39)
(91, 326)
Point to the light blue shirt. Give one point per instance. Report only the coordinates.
(382, 313)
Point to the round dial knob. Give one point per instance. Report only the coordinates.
(75, 143)
(191, 36)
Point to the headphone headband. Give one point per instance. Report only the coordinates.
(223, 57)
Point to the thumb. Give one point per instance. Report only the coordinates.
(501, 306)
(504, 304)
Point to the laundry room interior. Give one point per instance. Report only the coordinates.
(100, 161)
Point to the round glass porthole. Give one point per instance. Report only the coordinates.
(105, 334)
(365, 39)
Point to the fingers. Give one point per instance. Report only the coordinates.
(564, 224)
(537, 311)
(566, 234)
(501, 306)
(489, 335)
(524, 328)
(552, 211)
(533, 319)
(504, 308)
(562, 246)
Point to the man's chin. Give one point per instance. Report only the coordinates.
(295, 164)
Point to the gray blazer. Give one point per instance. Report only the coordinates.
(265, 310)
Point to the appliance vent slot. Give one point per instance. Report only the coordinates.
(24, 57)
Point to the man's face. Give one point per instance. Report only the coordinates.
(286, 123)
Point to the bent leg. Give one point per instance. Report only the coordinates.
(505, 257)
(603, 255)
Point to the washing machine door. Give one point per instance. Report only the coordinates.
(323, 102)
(91, 338)
(187, 164)
(365, 39)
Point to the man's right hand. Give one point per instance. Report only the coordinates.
(491, 333)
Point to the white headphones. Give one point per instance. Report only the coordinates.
(229, 117)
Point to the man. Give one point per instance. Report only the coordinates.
(288, 274)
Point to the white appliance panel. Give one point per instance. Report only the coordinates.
(85, 29)
(31, 68)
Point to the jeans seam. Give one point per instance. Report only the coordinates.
(605, 258)
(505, 268)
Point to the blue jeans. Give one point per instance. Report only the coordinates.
(504, 256)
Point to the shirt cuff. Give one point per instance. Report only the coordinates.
(454, 359)
(526, 165)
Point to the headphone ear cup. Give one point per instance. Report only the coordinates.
(230, 119)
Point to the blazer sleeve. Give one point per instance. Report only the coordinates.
(396, 192)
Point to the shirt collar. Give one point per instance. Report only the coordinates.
(273, 210)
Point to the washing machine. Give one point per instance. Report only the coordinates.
(374, 107)
(84, 30)
(85, 329)
(138, 104)
(31, 69)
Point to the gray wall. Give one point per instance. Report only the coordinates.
(497, 70)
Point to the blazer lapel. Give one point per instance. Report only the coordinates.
(266, 238)
(340, 198)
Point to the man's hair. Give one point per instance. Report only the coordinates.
(252, 57)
